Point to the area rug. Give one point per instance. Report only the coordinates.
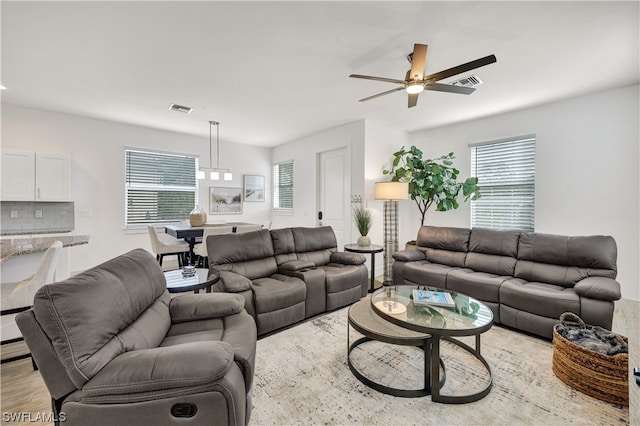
(302, 378)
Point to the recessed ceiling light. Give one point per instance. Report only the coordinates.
(180, 108)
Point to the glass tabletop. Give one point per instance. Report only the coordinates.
(356, 248)
(467, 316)
(177, 283)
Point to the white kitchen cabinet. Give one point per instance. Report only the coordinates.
(53, 177)
(18, 175)
(35, 176)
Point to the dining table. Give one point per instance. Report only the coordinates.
(191, 234)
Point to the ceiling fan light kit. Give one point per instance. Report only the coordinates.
(415, 81)
(415, 88)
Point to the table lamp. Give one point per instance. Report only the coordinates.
(390, 192)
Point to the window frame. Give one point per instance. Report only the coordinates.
(128, 186)
(517, 194)
(277, 186)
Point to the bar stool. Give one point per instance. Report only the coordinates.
(165, 245)
(20, 297)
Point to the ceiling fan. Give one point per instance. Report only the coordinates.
(415, 81)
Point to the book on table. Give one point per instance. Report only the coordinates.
(434, 298)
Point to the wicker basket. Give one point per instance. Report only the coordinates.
(598, 375)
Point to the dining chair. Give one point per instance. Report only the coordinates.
(165, 245)
(200, 249)
(241, 229)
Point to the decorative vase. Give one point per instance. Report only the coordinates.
(363, 240)
(197, 217)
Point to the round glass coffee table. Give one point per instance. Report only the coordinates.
(178, 283)
(391, 316)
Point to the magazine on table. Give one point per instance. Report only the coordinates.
(434, 298)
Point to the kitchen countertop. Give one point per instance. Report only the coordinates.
(16, 245)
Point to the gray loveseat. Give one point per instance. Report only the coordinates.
(287, 275)
(114, 348)
(527, 279)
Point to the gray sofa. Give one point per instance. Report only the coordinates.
(527, 279)
(287, 275)
(114, 348)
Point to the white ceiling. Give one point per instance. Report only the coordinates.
(272, 72)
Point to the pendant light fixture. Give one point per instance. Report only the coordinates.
(215, 173)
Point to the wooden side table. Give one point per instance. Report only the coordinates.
(370, 249)
(177, 283)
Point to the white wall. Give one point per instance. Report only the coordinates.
(97, 149)
(587, 165)
(304, 153)
(371, 147)
(380, 144)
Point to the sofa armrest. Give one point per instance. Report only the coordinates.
(296, 265)
(152, 373)
(194, 307)
(600, 288)
(409, 255)
(347, 258)
(233, 283)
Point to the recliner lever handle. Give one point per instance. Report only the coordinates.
(184, 409)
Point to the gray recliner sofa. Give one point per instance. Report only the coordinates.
(527, 279)
(114, 348)
(286, 275)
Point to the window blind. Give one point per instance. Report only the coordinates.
(159, 187)
(283, 186)
(506, 177)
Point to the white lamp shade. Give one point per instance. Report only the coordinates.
(391, 191)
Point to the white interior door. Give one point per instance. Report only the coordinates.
(334, 183)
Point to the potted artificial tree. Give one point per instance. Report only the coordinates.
(431, 181)
(363, 218)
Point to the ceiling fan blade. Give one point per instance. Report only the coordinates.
(449, 88)
(381, 94)
(368, 77)
(413, 99)
(461, 68)
(418, 60)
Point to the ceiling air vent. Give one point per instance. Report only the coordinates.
(180, 108)
(470, 81)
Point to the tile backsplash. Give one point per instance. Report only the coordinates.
(33, 217)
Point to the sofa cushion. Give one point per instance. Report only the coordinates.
(283, 245)
(493, 251)
(443, 238)
(500, 242)
(445, 257)
(480, 285)
(339, 277)
(426, 273)
(249, 254)
(123, 306)
(315, 244)
(159, 372)
(540, 298)
(278, 292)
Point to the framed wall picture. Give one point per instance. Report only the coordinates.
(253, 188)
(225, 200)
